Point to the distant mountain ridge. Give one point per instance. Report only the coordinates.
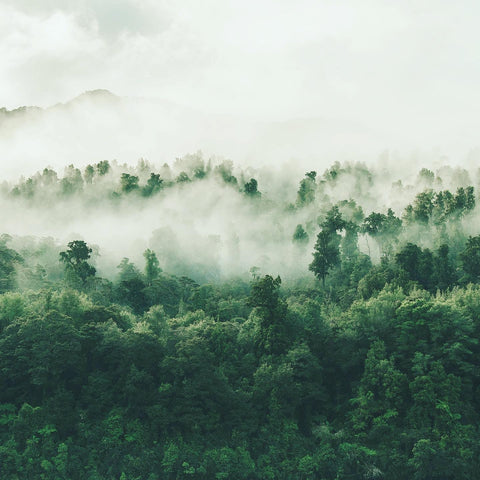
(100, 94)
(99, 124)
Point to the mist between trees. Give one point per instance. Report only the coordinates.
(204, 321)
(209, 220)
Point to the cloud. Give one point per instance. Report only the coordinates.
(111, 17)
(405, 67)
(41, 54)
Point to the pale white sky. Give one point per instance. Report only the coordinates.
(412, 67)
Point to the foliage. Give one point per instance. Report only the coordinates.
(75, 260)
(373, 372)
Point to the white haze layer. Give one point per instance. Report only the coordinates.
(203, 229)
(209, 230)
(99, 125)
(281, 87)
(262, 81)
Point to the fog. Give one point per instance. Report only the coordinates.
(278, 88)
(205, 229)
(100, 125)
(209, 228)
(311, 80)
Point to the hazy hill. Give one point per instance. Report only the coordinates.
(100, 125)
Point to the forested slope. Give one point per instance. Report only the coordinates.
(197, 360)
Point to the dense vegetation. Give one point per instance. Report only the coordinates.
(365, 366)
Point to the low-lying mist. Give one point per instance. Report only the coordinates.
(208, 219)
(99, 125)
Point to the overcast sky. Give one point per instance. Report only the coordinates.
(410, 66)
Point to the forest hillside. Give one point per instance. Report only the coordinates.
(203, 320)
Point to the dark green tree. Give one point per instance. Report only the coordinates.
(374, 223)
(470, 258)
(423, 206)
(443, 271)
(470, 198)
(326, 254)
(128, 182)
(349, 242)
(76, 258)
(9, 260)
(306, 191)
(251, 188)
(449, 202)
(417, 263)
(380, 399)
(131, 285)
(272, 312)
(334, 221)
(152, 266)
(154, 185)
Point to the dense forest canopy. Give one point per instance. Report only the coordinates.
(206, 321)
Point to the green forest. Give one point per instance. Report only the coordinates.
(345, 347)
